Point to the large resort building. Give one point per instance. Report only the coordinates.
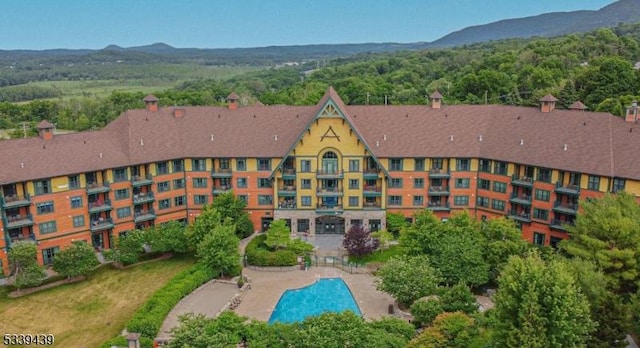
(322, 168)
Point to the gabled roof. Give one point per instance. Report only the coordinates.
(44, 124)
(150, 98)
(435, 95)
(578, 105)
(233, 96)
(548, 98)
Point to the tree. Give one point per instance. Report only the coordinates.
(77, 260)
(448, 330)
(219, 250)
(168, 237)
(24, 265)
(424, 311)
(208, 219)
(458, 298)
(128, 248)
(503, 240)
(383, 237)
(607, 232)
(358, 241)
(232, 207)
(539, 304)
(407, 278)
(395, 223)
(278, 235)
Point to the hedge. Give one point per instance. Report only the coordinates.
(148, 319)
(258, 254)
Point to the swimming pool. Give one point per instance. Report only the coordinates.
(325, 295)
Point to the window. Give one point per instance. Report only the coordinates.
(484, 184)
(418, 182)
(122, 213)
(179, 201)
(497, 204)
(305, 184)
(245, 198)
(499, 187)
(164, 204)
(224, 163)
(162, 168)
(303, 225)
(264, 183)
(265, 199)
(200, 199)
(395, 200)
(354, 165)
(461, 200)
(593, 183)
(483, 201)
(395, 183)
(354, 184)
(538, 238)
(500, 168)
(178, 166)
(419, 164)
(305, 166)
(353, 201)
(42, 187)
(306, 201)
(618, 185)
(463, 164)
(47, 227)
(356, 222)
(44, 207)
(178, 184)
(163, 186)
(542, 195)
(553, 241)
(540, 214)
(375, 225)
(462, 183)
(74, 182)
(241, 164)
(120, 174)
(198, 165)
(544, 175)
(485, 165)
(200, 182)
(49, 254)
(437, 163)
(78, 221)
(264, 164)
(395, 164)
(76, 202)
(418, 201)
(242, 182)
(121, 194)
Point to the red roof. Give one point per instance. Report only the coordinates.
(150, 98)
(548, 98)
(233, 96)
(44, 124)
(578, 106)
(436, 95)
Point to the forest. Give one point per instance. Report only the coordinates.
(597, 68)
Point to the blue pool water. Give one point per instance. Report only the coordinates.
(325, 295)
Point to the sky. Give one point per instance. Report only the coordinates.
(95, 24)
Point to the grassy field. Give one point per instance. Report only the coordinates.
(88, 313)
(378, 256)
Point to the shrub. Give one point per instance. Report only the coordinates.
(358, 241)
(425, 311)
(258, 254)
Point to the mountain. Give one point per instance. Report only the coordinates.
(546, 25)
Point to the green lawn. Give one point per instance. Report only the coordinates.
(377, 256)
(88, 313)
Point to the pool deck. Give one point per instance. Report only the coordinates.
(267, 287)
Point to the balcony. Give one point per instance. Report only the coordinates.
(438, 190)
(438, 206)
(221, 173)
(438, 173)
(138, 180)
(371, 206)
(287, 191)
(221, 189)
(520, 199)
(524, 181)
(143, 197)
(521, 215)
(329, 174)
(329, 210)
(329, 192)
(14, 201)
(565, 208)
(572, 190)
(17, 221)
(287, 205)
(371, 173)
(288, 173)
(98, 187)
(372, 191)
(144, 215)
(96, 207)
(101, 224)
(22, 238)
(561, 225)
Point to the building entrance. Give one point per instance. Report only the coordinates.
(329, 225)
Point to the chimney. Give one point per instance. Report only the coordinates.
(151, 103)
(45, 130)
(178, 112)
(548, 103)
(233, 101)
(578, 106)
(632, 112)
(436, 100)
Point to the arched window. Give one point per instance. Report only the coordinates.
(330, 163)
